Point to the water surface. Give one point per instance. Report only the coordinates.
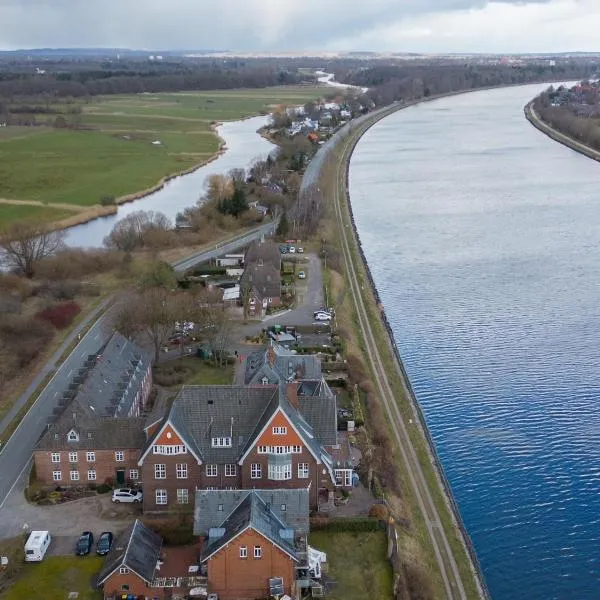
(483, 237)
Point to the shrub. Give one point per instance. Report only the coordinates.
(61, 315)
(379, 512)
(103, 488)
(107, 200)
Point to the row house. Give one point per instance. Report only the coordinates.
(236, 437)
(98, 435)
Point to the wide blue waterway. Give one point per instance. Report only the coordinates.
(483, 237)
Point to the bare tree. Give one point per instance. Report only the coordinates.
(131, 232)
(25, 244)
(219, 188)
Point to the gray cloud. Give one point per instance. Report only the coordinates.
(243, 25)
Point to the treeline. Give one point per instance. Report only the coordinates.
(389, 83)
(563, 119)
(138, 78)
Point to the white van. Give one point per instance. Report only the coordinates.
(36, 546)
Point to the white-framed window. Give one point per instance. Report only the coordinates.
(212, 470)
(134, 474)
(257, 552)
(263, 449)
(221, 442)
(56, 475)
(303, 470)
(92, 475)
(123, 570)
(183, 496)
(72, 436)
(230, 470)
(280, 472)
(169, 450)
(55, 457)
(231, 487)
(296, 449)
(72, 456)
(181, 470)
(161, 496)
(283, 508)
(255, 471)
(211, 487)
(279, 430)
(160, 471)
(90, 456)
(343, 477)
(74, 475)
(264, 380)
(243, 552)
(279, 449)
(119, 456)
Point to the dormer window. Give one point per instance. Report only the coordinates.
(221, 442)
(73, 436)
(264, 380)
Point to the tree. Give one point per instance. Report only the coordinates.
(131, 232)
(25, 244)
(158, 274)
(283, 227)
(219, 188)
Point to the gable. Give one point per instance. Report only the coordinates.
(168, 437)
(248, 537)
(289, 438)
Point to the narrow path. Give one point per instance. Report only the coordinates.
(443, 553)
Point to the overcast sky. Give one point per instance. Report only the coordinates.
(304, 25)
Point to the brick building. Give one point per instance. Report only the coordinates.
(235, 437)
(260, 284)
(254, 542)
(98, 435)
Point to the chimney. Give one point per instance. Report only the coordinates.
(271, 356)
(292, 394)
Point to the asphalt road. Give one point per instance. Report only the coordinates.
(220, 249)
(16, 454)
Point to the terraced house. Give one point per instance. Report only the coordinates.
(98, 434)
(238, 437)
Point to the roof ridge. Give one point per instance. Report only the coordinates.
(124, 559)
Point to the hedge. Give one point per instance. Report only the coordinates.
(340, 525)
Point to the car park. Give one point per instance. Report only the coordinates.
(84, 543)
(105, 542)
(126, 495)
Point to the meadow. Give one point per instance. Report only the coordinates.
(106, 149)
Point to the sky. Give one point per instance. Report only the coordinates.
(427, 26)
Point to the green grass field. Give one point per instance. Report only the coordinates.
(13, 212)
(114, 155)
(55, 577)
(357, 564)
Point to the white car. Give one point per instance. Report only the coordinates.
(322, 316)
(300, 250)
(301, 275)
(292, 249)
(126, 495)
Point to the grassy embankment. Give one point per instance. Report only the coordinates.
(416, 548)
(68, 171)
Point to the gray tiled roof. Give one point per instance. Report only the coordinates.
(289, 505)
(112, 383)
(321, 414)
(252, 512)
(265, 250)
(287, 365)
(137, 548)
(200, 413)
(95, 433)
(264, 280)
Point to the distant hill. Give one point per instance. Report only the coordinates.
(96, 52)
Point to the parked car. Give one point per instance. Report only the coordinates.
(84, 543)
(105, 542)
(322, 316)
(126, 495)
(292, 249)
(300, 250)
(301, 275)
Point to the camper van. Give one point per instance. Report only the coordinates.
(36, 546)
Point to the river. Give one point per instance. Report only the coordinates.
(482, 236)
(244, 145)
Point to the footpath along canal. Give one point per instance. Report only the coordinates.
(480, 234)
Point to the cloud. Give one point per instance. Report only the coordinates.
(244, 25)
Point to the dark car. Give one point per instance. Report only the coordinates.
(104, 543)
(84, 543)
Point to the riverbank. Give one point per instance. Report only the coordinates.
(557, 136)
(448, 555)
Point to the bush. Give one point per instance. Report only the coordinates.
(107, 200)
(379, 512)
(60, 315)
(103, 488)
(339, 525)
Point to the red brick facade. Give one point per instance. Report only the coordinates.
(235, 578)
(88, 467)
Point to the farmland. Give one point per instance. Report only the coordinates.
(103, 146)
